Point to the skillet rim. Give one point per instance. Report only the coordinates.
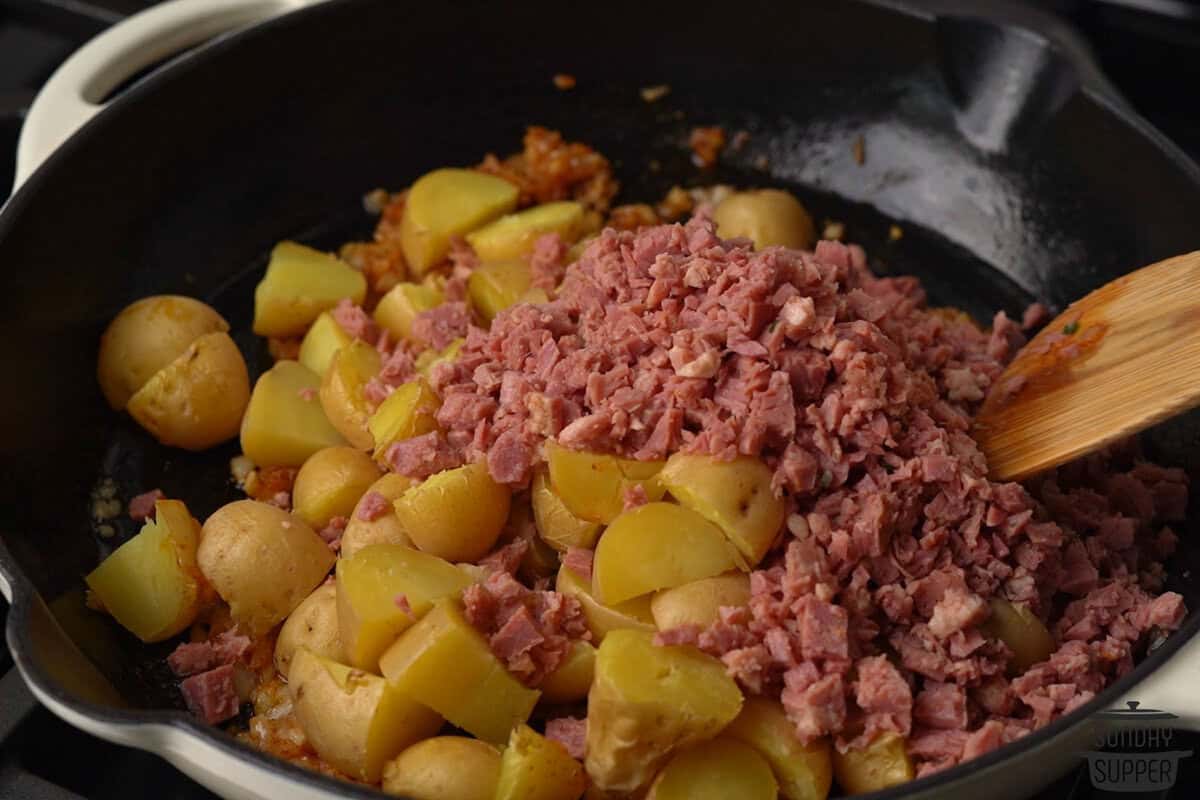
(1009, 16)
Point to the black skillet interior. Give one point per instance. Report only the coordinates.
(1009, 185)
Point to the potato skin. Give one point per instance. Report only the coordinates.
(147, 335)
(714, 770)
(262, 561)
(314, 626)
(330, 483)
(804, 772)
(385, 529)
(768, 216)
(444, 767)
(882, 763)
(197, 400)
(536, 768)
(457, 514)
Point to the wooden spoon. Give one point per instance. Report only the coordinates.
(1121, 359)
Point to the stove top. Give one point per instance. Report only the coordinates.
(1149, 48)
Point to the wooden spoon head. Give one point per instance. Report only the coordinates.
(1121, 359)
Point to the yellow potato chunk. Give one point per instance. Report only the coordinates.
(882, 763)
(447, 663)
(456, 514)
(384, 529)
(446, 203)
(535, 768)
(593, 486)
(197, 400)
(557, 526)
(699, 602)
(430, 358)
(1021, 630)
(400, 306)
(409, 411)
(444, 768)
(570, 682)
(342, 391)
(369, 585)
(646, 702)
(145, 337)
(715, 770)
(657, 546)
(768, 216)
(330, 483)
(804, 772)
(301, 283)
(151, 584)
(284, 422)
(512, 236)
(734, 495)
(323, 339)
(262, 561)
(602, 619)
(313, 626)
(356, 722)
(496, 285)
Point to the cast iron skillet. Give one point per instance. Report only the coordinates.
(1014, 170)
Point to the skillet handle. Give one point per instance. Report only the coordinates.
(81, 86)
(1172, 687)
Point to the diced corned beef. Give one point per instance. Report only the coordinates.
(517, 636)
(1035, 315)
(818, 709)
(141, 507)
(672, 637)
(571, 733)
(421, 456)
(191, 658)
(507, 558)
(955, 611)
(546, 261)
(230, 646)
(984, 740)
(212, 695)
(579, 561)
(308, 394)
(823, 630)
(941, 705)
(401, 601)
(373, 506)
(884, 696)
(355, 321)
(331, 534)
(441, 325)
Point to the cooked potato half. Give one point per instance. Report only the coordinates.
(400, 306)
(446, 203)
(602, 619)
(362, 530)
(301, 283)
(570, 682)
(197, 400)
(330, 483)
(647, 701)
(804, 772)
(284, 423)
(323, 339)
(342, 391)
(457, 514)
(767, 216)
(882, 763)
(151, 584)
(1021, 630)
(657, 546)
(535, 768)
(444, 768)
(370, 585)
(313, 626)
(734, 495)
(557, 526)
(448, 664)
(430, 358)
(593, 485)
(715, 770)
(512, 236)
(262, 561)
(409, 411)
(145, 337)
(698, 602)
(496, 285)
(356, 722)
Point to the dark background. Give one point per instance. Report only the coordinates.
(1149, 48)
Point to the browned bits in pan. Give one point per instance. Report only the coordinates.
(563, 82)
(707, 144)
(550, 168)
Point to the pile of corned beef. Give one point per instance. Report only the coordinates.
(860, 399)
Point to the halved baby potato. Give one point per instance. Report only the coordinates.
(882, 763)
(444, 768)
(330, 483)
(342, 391)
(556, 525)
(383, 529)
(496, 285)
(322, 340)
(409, 411)
(1021, 630)
(699, 602)
(602, 619)
(446, 203)
(512, 236)
(151, 584)
(536, 768)
(457, 514)
(299, 284)
(313, 626)
(768, 217)
(593, 485)
(400, 306)
(715, 770)
(571, 680)
(804, 772)
(284, 423)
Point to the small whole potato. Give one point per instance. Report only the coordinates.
(330, 483)
(385, 528)
(313, 625)
(457, 514)
(197, 400)
(767, 216)
(444, 767)
(262, 561)
(145, 337)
